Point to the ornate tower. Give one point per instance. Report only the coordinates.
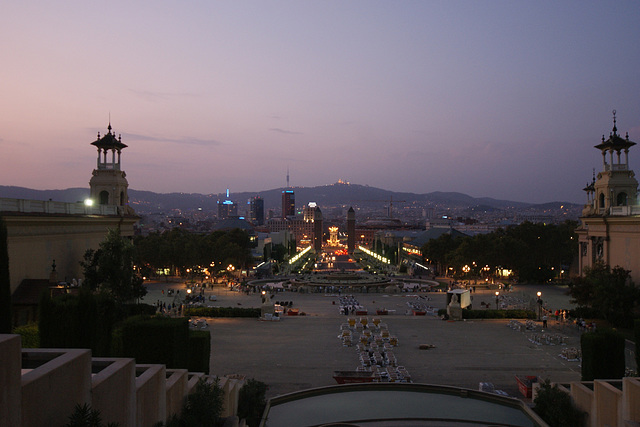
(108, 182)
(616, 186)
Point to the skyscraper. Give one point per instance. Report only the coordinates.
(288, 203)
(256, 210)
(228, 208)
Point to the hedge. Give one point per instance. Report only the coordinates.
(160, 340)
(493, 314)
(602, 355)
(199, 351)
(222, 312)
(636, 333)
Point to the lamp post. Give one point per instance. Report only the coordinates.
(497, 300)
(539, 305)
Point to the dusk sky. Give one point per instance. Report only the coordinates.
(502, 99)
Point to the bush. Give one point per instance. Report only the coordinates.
(203, 407)
(222, 312)
(602, 355)
(157, 339)
(199, 351)
(636, 333)
(29, 335)
(556, 408)
(498, 314)
(84, 416)
(252, 401)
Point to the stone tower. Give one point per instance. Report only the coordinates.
(615, 186)
(108, 182)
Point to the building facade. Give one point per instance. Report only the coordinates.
(610, 221)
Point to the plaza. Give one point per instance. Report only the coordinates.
(301, 352)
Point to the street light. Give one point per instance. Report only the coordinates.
(497, 300)
(539, 305)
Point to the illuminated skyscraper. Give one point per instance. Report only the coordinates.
(288, 203)
(228, 208)
(256, 210)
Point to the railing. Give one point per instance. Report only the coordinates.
(51, 207)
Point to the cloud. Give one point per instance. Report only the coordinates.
(286, 132)
(184, 140)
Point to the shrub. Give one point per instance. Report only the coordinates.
(498, 314)
(602, 355)
(84, 416)
(29, 335)
(156, 339)
(556, 408)
(203, 407)
(199, 351)
(252, 401)
(222, 312)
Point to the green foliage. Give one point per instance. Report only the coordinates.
(5, 283)
(84, 416)
(252, 401)
(602, 355)
(110, 268)
(636, 333)
(29, 335)
(555, 407)
(160, 340)
(493, 314)
(180, 250)
(535, 252)
(498, 314)
(77, 321)
(199, 351)
(203, 407)
(610, 292)
(222, 312)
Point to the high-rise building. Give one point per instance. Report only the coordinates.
(351, 230)
(228, 208)
(288, 203)
(317, 230)
(256, 210)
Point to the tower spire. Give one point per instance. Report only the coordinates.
(615, 128)
(287, 176)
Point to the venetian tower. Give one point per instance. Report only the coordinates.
(108, 182)
(610, 229)
(615, 186)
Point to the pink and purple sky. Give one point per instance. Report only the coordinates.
(503, 99)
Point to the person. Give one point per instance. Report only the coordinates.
(544, 322)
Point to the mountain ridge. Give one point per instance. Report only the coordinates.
(324, 195)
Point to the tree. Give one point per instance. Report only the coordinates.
(608, 291)
(252, 401)
(110, 269)
(5, 283)
(556, 408)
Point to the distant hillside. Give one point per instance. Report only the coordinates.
(325, 195)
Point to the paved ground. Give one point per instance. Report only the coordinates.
(301, 352)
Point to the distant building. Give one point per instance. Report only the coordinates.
(351, 230)
(227, 208)
(256, 210)
(288, 203)
(610, 229)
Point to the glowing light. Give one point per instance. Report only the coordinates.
(88, 202)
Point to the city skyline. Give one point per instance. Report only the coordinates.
(491, 99)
